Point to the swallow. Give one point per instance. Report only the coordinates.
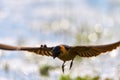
(66, 52)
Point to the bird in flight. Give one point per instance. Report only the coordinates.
(65, 52)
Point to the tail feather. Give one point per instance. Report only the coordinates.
(8, 47)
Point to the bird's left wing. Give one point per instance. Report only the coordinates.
(89, 51)
(43, 50)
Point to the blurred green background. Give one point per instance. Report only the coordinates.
(54, 22)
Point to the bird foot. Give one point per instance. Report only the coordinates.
(71, 64)
(63, 65)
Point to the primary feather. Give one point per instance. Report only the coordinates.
(89, 51)
(43, 50)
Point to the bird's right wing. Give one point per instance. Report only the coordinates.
(89, 51)
(43, 50)
(39, 50)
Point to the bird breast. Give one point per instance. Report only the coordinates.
(66, 56)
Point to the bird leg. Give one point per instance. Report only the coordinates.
(63, 65)
(71, 64)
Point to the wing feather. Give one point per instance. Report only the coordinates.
(39, 50)
(89, 51)
(43, 50)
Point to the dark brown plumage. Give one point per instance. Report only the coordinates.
(65, 52)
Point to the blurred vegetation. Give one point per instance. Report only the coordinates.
(65, 77)
(6, 68)
(68, 77)
(44, 70)
(88, 78)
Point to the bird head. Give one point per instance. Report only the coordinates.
(56, 51)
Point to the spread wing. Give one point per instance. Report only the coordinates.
(43, 50)
(39, 50)
(89, 51)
